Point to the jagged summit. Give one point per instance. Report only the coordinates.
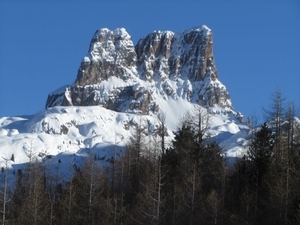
(162, 66)
(111, 53)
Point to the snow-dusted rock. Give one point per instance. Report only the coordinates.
(117, 75)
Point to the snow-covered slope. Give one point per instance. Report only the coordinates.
(74, 132)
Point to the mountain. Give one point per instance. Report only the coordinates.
(139, 79)
(119, 87)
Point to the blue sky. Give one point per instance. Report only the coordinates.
(256, 44)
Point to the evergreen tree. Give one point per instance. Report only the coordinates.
(261, 150)
(180, 180)
(275, 116)
(259, 154)
(194, 170)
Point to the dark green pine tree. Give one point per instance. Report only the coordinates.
(185, 140)
(181, 181)
(261, 150)
(212, 167)
(260, 156)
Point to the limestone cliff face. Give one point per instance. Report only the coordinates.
(164, 65)
(184, 54)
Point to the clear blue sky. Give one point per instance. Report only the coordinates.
(256, 44)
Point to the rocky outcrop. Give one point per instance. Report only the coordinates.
(111, 53)
(164, 65)
(188, 53)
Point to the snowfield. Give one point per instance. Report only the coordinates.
(64, 136)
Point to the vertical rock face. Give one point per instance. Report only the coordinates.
(163, 65)
(184, 54)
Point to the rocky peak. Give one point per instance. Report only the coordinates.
(199, 53)
(111, 53)
(163, 65)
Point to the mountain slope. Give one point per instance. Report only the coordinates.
(96, 130)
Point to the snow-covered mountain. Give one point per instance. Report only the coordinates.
(162, 66)
(120, 86)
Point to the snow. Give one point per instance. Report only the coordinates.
(106, 43)
(122, 33)
(64, 136)
(118, 32)
(86, 59)
(95, 128)
(60, 90)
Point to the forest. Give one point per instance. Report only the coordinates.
(189, 183)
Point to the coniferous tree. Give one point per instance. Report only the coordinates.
(18, 196)
(275, 115)
(195, 169)
(132, 156)
(261, 150)
(178, 165)
(238, 193)
(259, 155)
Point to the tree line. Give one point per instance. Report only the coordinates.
(187, 183)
